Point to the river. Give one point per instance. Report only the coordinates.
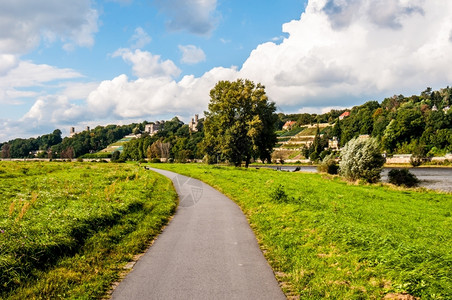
(431, 178)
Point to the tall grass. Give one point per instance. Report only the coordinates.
(67, 229)
(326, 238)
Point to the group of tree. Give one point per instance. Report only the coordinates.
(21, 148)
(240, 126)
(91, 141)
(419, 124)
(175, 141)
(54, 146)
(240, 123)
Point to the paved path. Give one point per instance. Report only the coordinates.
(208, 251)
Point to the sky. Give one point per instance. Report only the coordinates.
(78, 63)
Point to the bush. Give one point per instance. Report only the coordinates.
(279, 195)
(155, 160)
(361, 159)
(115, 156)
(328, 165)
(314, 156)
(402, 177)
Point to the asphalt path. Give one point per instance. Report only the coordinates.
(208, 251)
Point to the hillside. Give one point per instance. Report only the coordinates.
(419, 124)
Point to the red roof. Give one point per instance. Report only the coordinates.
(345, 114)
(289, 123)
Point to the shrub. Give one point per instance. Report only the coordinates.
(402, 177)
(328, 165)
(156, 160)
(115, 156)
(361, 159)
(314, 156)
(416, 161)
(279, 195)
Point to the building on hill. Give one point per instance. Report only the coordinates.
(288, 125)
(333, 144)
(344, 115)
(72, 131)
(153, 128)
(193, 124)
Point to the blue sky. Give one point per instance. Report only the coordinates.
(238, 27)
(86, 62)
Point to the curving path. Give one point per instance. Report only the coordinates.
(208, 251)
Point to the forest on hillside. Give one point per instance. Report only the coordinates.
(418, 124)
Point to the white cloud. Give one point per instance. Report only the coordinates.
(26, 75)
(24, 23)
(122, 98)
(332, 57)
(191, 54)
(140, 38)
(195, 16)
(7, 62)
(145, 64)
(78, 90)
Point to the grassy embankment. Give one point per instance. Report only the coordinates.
(67, 230)
(331, 239)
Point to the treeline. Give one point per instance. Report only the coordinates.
(93, 140)
(419, 124)
(174, 141)
(54, 146)
(21, 148)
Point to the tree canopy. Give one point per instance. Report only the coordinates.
(240, 123)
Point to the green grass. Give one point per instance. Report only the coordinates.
(68, 229)
(291, 132)
(116, 146)
(336, 240)
(310, 131)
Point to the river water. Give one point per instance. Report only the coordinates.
(431, 178)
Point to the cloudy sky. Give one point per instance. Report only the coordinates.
(97, 62)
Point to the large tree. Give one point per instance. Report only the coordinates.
(240, 123)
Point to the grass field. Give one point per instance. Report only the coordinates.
(68, 229)
(326, 238)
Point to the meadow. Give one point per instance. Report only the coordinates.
(327, 238)
(67, 230)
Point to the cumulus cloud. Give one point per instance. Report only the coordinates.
(333, 56)
(196, 16)
(140, 38)
(191, 54)
(342, 51)
(14, 83)
(124, 98)
(7, 62)
(24, 23)
(52, 109)
(145, 64)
